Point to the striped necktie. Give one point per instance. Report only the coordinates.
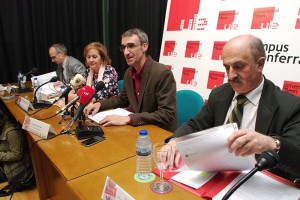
(237, 112)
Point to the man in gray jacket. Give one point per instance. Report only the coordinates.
(67, 66)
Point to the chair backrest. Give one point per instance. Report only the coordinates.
(120, 85)
(188, 103)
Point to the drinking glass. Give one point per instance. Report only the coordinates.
(161, 153)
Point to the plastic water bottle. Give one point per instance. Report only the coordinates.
(62, 89)
(143, 155)
(35, 83)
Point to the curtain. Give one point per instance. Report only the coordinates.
(29, 27)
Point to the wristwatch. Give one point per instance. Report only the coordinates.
(277, 142)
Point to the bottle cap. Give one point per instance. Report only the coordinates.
(35, 78)
(143, 132)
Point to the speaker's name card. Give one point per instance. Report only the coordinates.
(114, 192)
(37, 127)
(24, 104)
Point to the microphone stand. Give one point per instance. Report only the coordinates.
(66, 112)
(35, 102)
(239, 183)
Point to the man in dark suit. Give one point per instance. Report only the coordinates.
(271, 119)
(67, 66)
(149, 89)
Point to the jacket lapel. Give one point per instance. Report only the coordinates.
(222, 105)
(266, 109)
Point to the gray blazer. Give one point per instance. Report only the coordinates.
(157, 98)
(73, 67)
(278, 114)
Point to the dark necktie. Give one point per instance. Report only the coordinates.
(237, 112)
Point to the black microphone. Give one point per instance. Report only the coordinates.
(69, 104)
(33, 71)
(42, 105)
(266, 160)
(79, 94)
(81, 131)
(99, 86)
(76, 82)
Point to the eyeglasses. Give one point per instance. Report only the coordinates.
(53, 57)
(129, 46)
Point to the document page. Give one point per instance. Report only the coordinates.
(100, 115)
(207, 151)
(194, 179)
(261, 187)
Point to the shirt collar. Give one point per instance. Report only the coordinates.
(137, 75)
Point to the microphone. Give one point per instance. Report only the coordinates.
(76, 82)
(87, 131)
(266, 160)
(33, 71)
(79, 93)
(85, 98)
(99, 86)
(42, 105)
(22, 87)
(69, 104)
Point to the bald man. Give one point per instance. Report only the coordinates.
(271, 119)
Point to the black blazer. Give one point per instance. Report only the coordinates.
(278, 114)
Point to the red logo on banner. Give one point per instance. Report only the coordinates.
(215, 79)
(169, 67)
(263, 18)
(297, 26)
(180, 18)
(292, 87)
(217, 50)
(188, 75)
(192, 48)
(226, 19)
(169, 48)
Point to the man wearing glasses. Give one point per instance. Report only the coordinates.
(149, 89)
(67, 66)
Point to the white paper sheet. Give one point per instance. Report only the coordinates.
(100, 115)
(194, 179)
(207, 151)
(260, 187)
(44, 77)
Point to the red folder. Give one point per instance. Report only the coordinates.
(210, 188)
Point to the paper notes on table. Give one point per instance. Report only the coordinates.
(100, 115)
(194, 179)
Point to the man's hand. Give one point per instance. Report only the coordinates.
(58, 84)
(111, 120)
(93, 107)
(175, 158)
(247, 142)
